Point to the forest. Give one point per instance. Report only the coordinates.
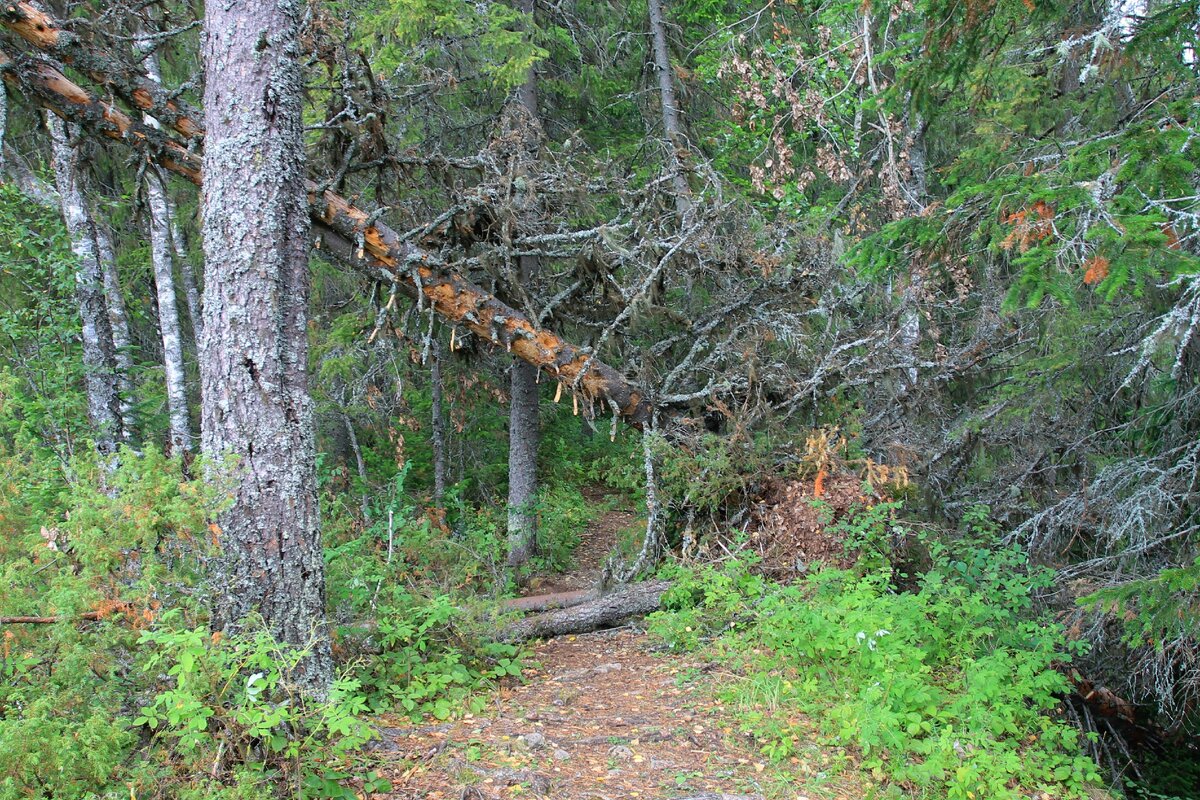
(683, 399)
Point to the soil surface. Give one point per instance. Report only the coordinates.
(600, 716)
(595, 544)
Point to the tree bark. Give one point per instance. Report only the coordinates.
(523, 424)
(118, 319)
(162, 256)
(3, 125)
(254, 351)
(359, 464)
(634, 600)
(672, 123)
(438, 426)
(99, 352)
(191, 290)
(383, 254)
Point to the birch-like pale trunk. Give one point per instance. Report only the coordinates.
(916, 193)
(162, 257)
(99, 352)
(191, 288)
(254, 351)
(672, 122)
(118, 320)
(524, 427)
(3, 124)
(187, 275)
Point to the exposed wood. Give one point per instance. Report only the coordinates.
(550, 602)
(50, 620)
(44, 32)
(366, 244)
(621, 605)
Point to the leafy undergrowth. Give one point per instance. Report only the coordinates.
(947, 690)
(124, 691)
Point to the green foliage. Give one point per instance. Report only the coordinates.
(950, 688)
(418, 652)
(40, 360)
(128, 687)
(434, 658)
(79, 539)
(232, 698)
(716, 475)
(563, 512)
(1155, 610)
(495, 31)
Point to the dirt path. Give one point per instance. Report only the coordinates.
(599, 716)
(595, 543)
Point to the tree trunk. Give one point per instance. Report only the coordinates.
(634, 600)
(438, 426)
(99, 352)
(191, 287)
(254, 351)
(672, 124)
(414, 267)
(191, 290)
(162, 256)
(359, 464)
(523, 434)
(118, 320)
(523, 423)
(3, 124)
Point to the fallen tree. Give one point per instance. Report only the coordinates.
(350, 234)
(550, 602)
(606, 611)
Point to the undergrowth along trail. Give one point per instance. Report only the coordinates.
(603, 715)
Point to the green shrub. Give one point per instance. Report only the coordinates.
(563, 512)
(230, 707)
(128, 689)
(950, 688)
(417, 651)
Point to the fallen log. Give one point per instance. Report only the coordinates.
(550, 602)
(50, 620)
(607, 611)
(352, 235)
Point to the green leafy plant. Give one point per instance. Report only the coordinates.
(950, 688)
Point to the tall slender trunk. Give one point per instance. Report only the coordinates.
(191, 289)
(523, 424)
(162, 256)
(187, 275)
(3, 123)
(254, 350)
(359, 464)
(118, 320)
(916, 193)
(99, 352)
(438, 428)
(672, 123)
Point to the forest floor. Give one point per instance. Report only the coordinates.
(603, 716)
